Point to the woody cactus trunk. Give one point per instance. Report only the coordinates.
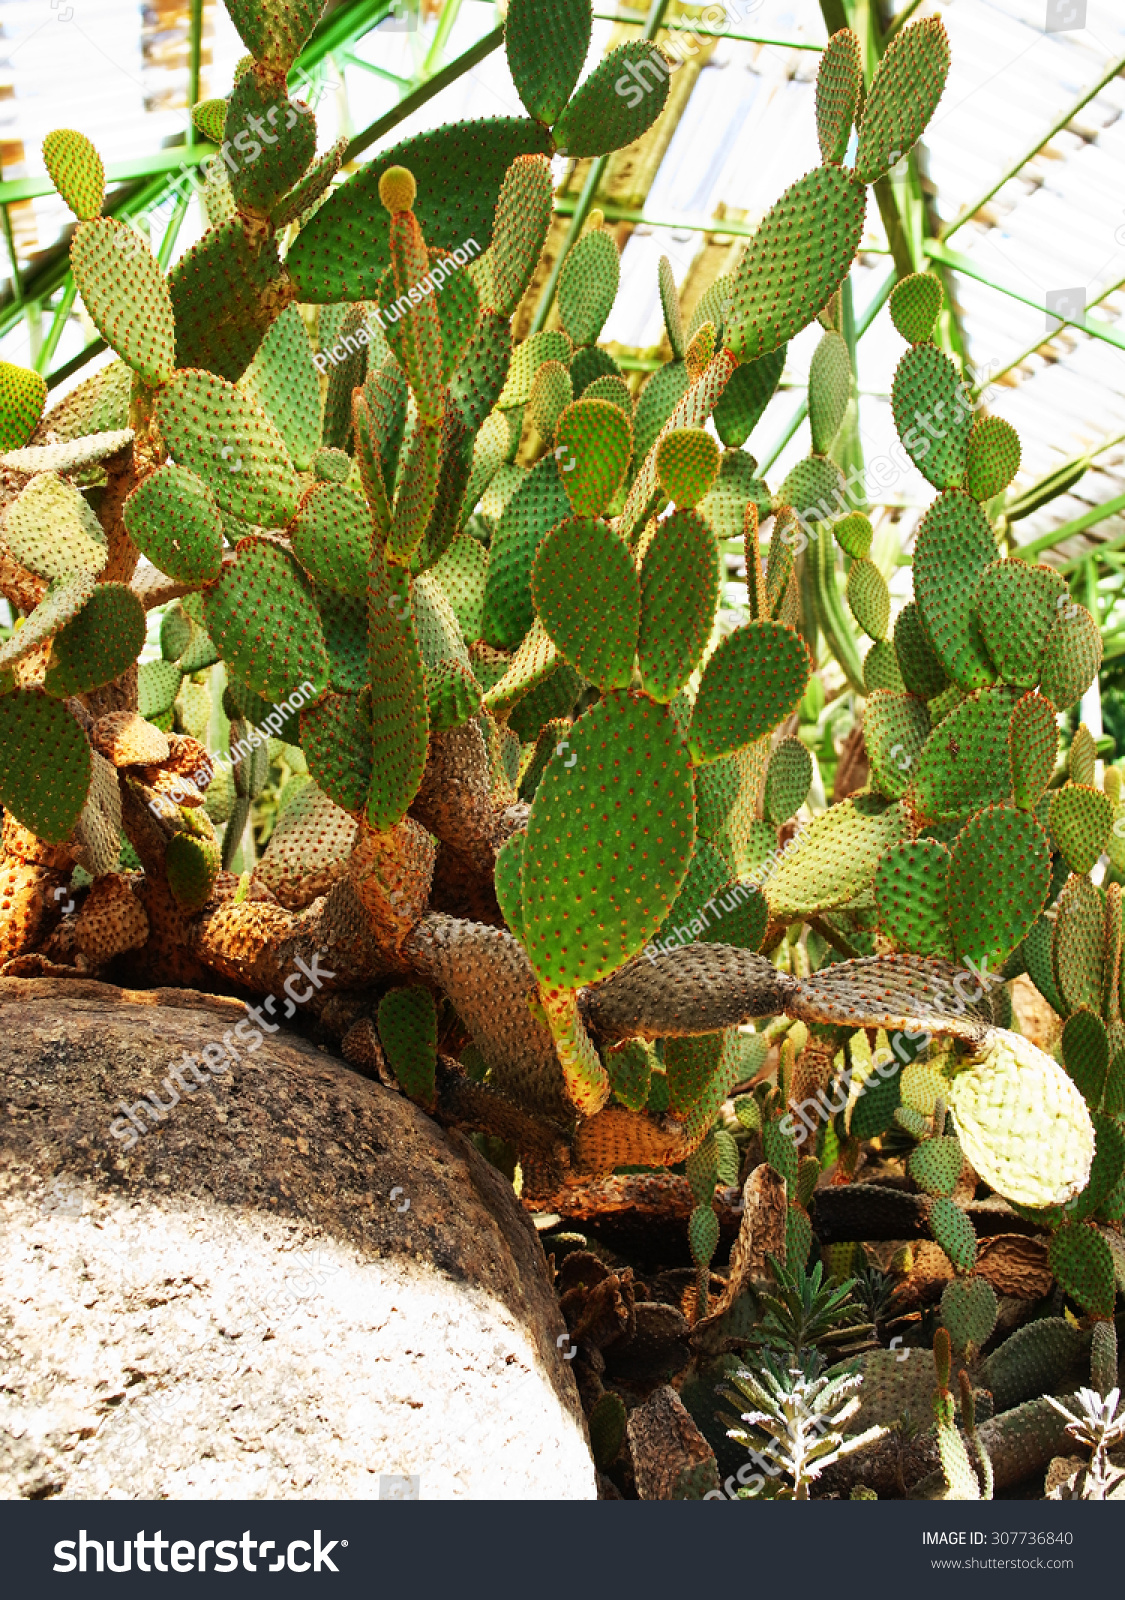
(526, 852)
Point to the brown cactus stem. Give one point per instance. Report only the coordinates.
(121, 480)
(699, 988)
(262, 947)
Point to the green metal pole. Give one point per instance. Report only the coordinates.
(194, 63)
(58, 323)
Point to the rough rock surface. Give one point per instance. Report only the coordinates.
(296, 1285)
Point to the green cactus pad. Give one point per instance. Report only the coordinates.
(854, 534)
(992, 457)
(743, 402)
(343, 250)
(224, 294)
(895, 728)
(780, 286)
(172, 518)
(45, 764)
(969, 1309)
(955, 1233)
(263, 618)
(331, 466)
(881, 669)
(1078, 950)
(274, 34)
(399, 708)
(332, 539)
(221, 435)
(932, 415)
(523, 217)
(594, 441)
(1008, 851)
(680, 586)
(599, 118)
(869, 598)
(22, 396)
(1072, 657)
(687, 463)
(192, 864)
(955, 544)
(209, 117)
(158, 684)
(1083, 1264)
(703, 1234)
(588, 286)
(701, 1071)
(834, 861)
(76, 171)
(532, 666)
(609, 841)
(911, 897)
(1085, 1049)
(964, 765)
(903, 96)
(1017, 605)
(935, 1166)
(527, 358)
(344, 621)
(336, 737)
(71, 456)
(99, 405)
(509, 886)
(922, 672)
(830, 388)
(283, 381)
(670, 305)
(547, 42)
(615, 390)
(1081, 819)
(51, 530)
(259, 181)
(462, 573)
(62, 602)
(1023, 1125)
(916, 303)
(735, 490)
(1033, 742)
(478, 381)
(788, 779)
(814, 489)
(689, 918)
(839, 85)
(588, 365)
(752, 682)
(102, 641)
(588, 597)
(124, 290)
(539, 505)
(408, 1033)
(1082, 760)
(551, 393)
(691, 411)
(304, 195)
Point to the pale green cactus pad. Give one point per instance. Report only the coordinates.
(1022, 1122)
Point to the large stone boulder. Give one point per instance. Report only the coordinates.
(294, 1285)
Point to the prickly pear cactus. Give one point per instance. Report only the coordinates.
(454, 704)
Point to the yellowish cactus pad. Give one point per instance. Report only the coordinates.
(1022, 1122)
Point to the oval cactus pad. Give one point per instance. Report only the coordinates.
(609, 841)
